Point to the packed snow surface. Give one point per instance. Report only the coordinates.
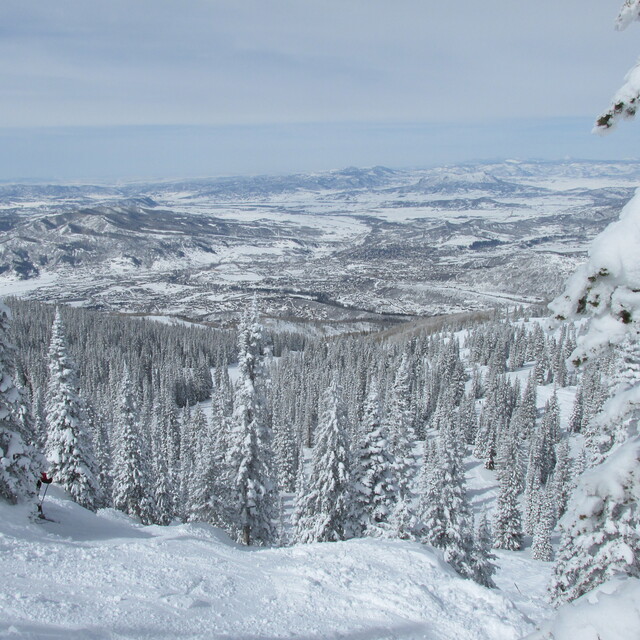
(104, 576)
(609, 612)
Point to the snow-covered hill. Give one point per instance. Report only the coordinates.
(463, 180)
(104, 576)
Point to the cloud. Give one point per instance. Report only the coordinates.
(223, 61)
(201, 87)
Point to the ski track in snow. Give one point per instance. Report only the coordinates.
(104, 576)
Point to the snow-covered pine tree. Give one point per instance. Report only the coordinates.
(626, 365)
(595, 391)
(533, 489)
(187, 452)
(517, 350)
(444, 505)
(199, 448)
(541, 548)
(286, 449)
(325, 512)
(601, 527)
(375, 495)
(208, 497)
(495, 415)
(102, 452)
(527, 411)
(444, 411)
(468, 418)
(170, 446)
(618, 417)
(542, 460)
(68, 447)
(549, 434)
(537, 344)
(17, 477)
(131, 483)
(163, 493)
(402, 439)
(579, 465)
(575, 421)
(507, 525)
(451, 370)
(212, 495)
(403, 523)
(558, 363)
(477, 384)
(254, 478)
(300, 492)
(482, 563)
(561, 481)
(39, 424)
(24, 411)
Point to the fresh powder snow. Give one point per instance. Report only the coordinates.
(95, 576)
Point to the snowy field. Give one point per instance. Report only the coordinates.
(90, 576)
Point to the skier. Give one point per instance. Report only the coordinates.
(46, 480)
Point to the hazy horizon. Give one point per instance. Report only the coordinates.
(119, 153)
(120, 90)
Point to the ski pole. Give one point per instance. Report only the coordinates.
(46, 487)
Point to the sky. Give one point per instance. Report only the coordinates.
(159, 88)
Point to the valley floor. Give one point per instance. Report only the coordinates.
(103, 576)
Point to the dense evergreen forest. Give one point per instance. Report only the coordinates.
(284, 438)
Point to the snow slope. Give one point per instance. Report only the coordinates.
(103, 576)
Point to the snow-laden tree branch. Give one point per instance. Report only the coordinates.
(607, 287)
(624, 103)
(630, 11)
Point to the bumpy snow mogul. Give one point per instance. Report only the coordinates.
(600, 549)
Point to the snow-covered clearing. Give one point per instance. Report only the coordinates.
(12, 286)
(104, 576)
